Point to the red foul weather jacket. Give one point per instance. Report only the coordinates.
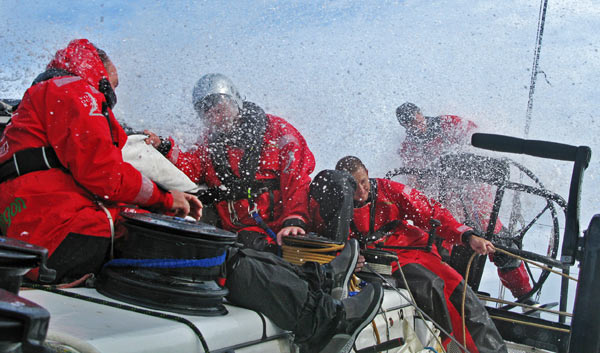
(66, 114)
(448, 134)
(285, 157)
(443, 134)
(395, 201)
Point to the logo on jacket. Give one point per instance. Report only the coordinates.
(94, 109)
(11, 211)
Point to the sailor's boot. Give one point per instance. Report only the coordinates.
(340, 270)
(358, 312)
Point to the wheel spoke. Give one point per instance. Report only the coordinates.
(521, 233)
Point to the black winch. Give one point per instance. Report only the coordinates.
(379, 261)
(23, 324)
(169, 263)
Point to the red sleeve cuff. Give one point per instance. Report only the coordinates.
(167, 201)
(161, 199)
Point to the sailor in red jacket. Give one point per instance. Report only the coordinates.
(62, 176)
(257, 166)
(405, 214)
(427, 139)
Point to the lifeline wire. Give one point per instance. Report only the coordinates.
(419, 310)
(500, 301)
(506, 319)
(421, 314)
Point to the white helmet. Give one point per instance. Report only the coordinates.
(212, 88)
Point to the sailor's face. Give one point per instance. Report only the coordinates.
(363, 187)
(419, 123)
(221, 115)
(111, 71)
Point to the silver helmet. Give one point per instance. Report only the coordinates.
(215, 85)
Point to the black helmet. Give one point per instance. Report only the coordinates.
(406, 113)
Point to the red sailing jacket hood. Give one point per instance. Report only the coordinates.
(80, 58)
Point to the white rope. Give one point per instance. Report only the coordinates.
(112, 229)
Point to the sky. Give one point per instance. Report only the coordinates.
(338, 69)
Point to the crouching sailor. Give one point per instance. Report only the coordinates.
(62, 175)
(394, 216)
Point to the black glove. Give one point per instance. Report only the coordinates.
(466, 236)
(501, 260)
(165, 146)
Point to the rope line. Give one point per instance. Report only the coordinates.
(537, 264)
(496, 300)
(299, 255)
(518, 304)
(420, 311)
(531, 324)
(376, 332)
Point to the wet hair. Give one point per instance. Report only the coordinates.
(102, 54)
(406, 113)
(350, 164)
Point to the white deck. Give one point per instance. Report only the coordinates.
(89, 327)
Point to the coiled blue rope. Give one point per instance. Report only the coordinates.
(168, 263)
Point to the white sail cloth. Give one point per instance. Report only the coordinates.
(155, 166)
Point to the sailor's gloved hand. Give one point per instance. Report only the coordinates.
(152, 139)
(162, 145)
(478, 244)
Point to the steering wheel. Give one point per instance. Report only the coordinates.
(476, 189)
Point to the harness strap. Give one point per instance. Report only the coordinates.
(42, 158)
(258, 219)
(27, 161)
(250, 138)
(110, 128)
(385, 229)
(237, 192)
